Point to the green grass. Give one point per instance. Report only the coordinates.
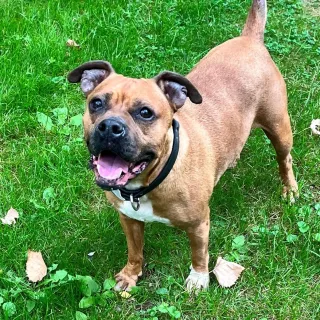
(140, 39)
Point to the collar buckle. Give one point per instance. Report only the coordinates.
(135, 204)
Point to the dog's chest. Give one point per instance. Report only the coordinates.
(145, 212)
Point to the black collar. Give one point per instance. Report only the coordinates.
(134, 195)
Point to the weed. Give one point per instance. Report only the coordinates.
(62, 213)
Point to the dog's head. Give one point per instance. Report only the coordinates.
(126, 120)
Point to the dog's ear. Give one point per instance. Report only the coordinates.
(177, 88)
(90, 74)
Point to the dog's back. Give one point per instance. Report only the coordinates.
(235, 79)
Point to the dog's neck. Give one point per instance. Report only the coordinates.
(155, 166)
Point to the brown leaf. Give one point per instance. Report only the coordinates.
(227, 273)
(72, 43)
(10, 217)
(315, 127)
(36, 268)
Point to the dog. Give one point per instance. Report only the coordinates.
(159, 146)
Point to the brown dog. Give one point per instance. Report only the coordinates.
(130, 132)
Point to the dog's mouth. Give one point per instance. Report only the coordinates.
(113, 172)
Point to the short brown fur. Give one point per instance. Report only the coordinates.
(241, 89)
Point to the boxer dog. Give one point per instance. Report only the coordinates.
(159, 146)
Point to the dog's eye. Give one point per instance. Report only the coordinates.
(95, 105)
(146, 113)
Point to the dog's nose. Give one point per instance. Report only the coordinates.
(112, 127)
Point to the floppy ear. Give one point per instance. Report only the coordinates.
(90, 74)
(177, 88)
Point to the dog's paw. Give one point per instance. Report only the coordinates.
(125, 282)
(290, 193)
(197, 281)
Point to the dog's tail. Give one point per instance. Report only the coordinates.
(256, 21)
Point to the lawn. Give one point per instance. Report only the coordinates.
(63, 214)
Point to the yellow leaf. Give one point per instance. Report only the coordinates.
(125, 294)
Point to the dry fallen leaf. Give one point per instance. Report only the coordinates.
(10, 217)
(227, 273)
(125, 294)
(91, 254)
(315, 127)
(72, 43)
(36, 268)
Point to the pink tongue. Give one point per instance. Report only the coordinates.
(111, 166)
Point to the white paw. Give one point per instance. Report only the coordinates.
(197, 281)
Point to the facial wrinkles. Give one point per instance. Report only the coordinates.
(122, 96)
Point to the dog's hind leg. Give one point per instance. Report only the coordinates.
(276, 125)
(272, 116)
(281, 138)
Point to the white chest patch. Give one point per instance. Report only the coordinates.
(145, 212)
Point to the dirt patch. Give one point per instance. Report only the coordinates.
(313, 7)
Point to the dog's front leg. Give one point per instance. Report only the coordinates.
(199, 238)
(128, 276)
